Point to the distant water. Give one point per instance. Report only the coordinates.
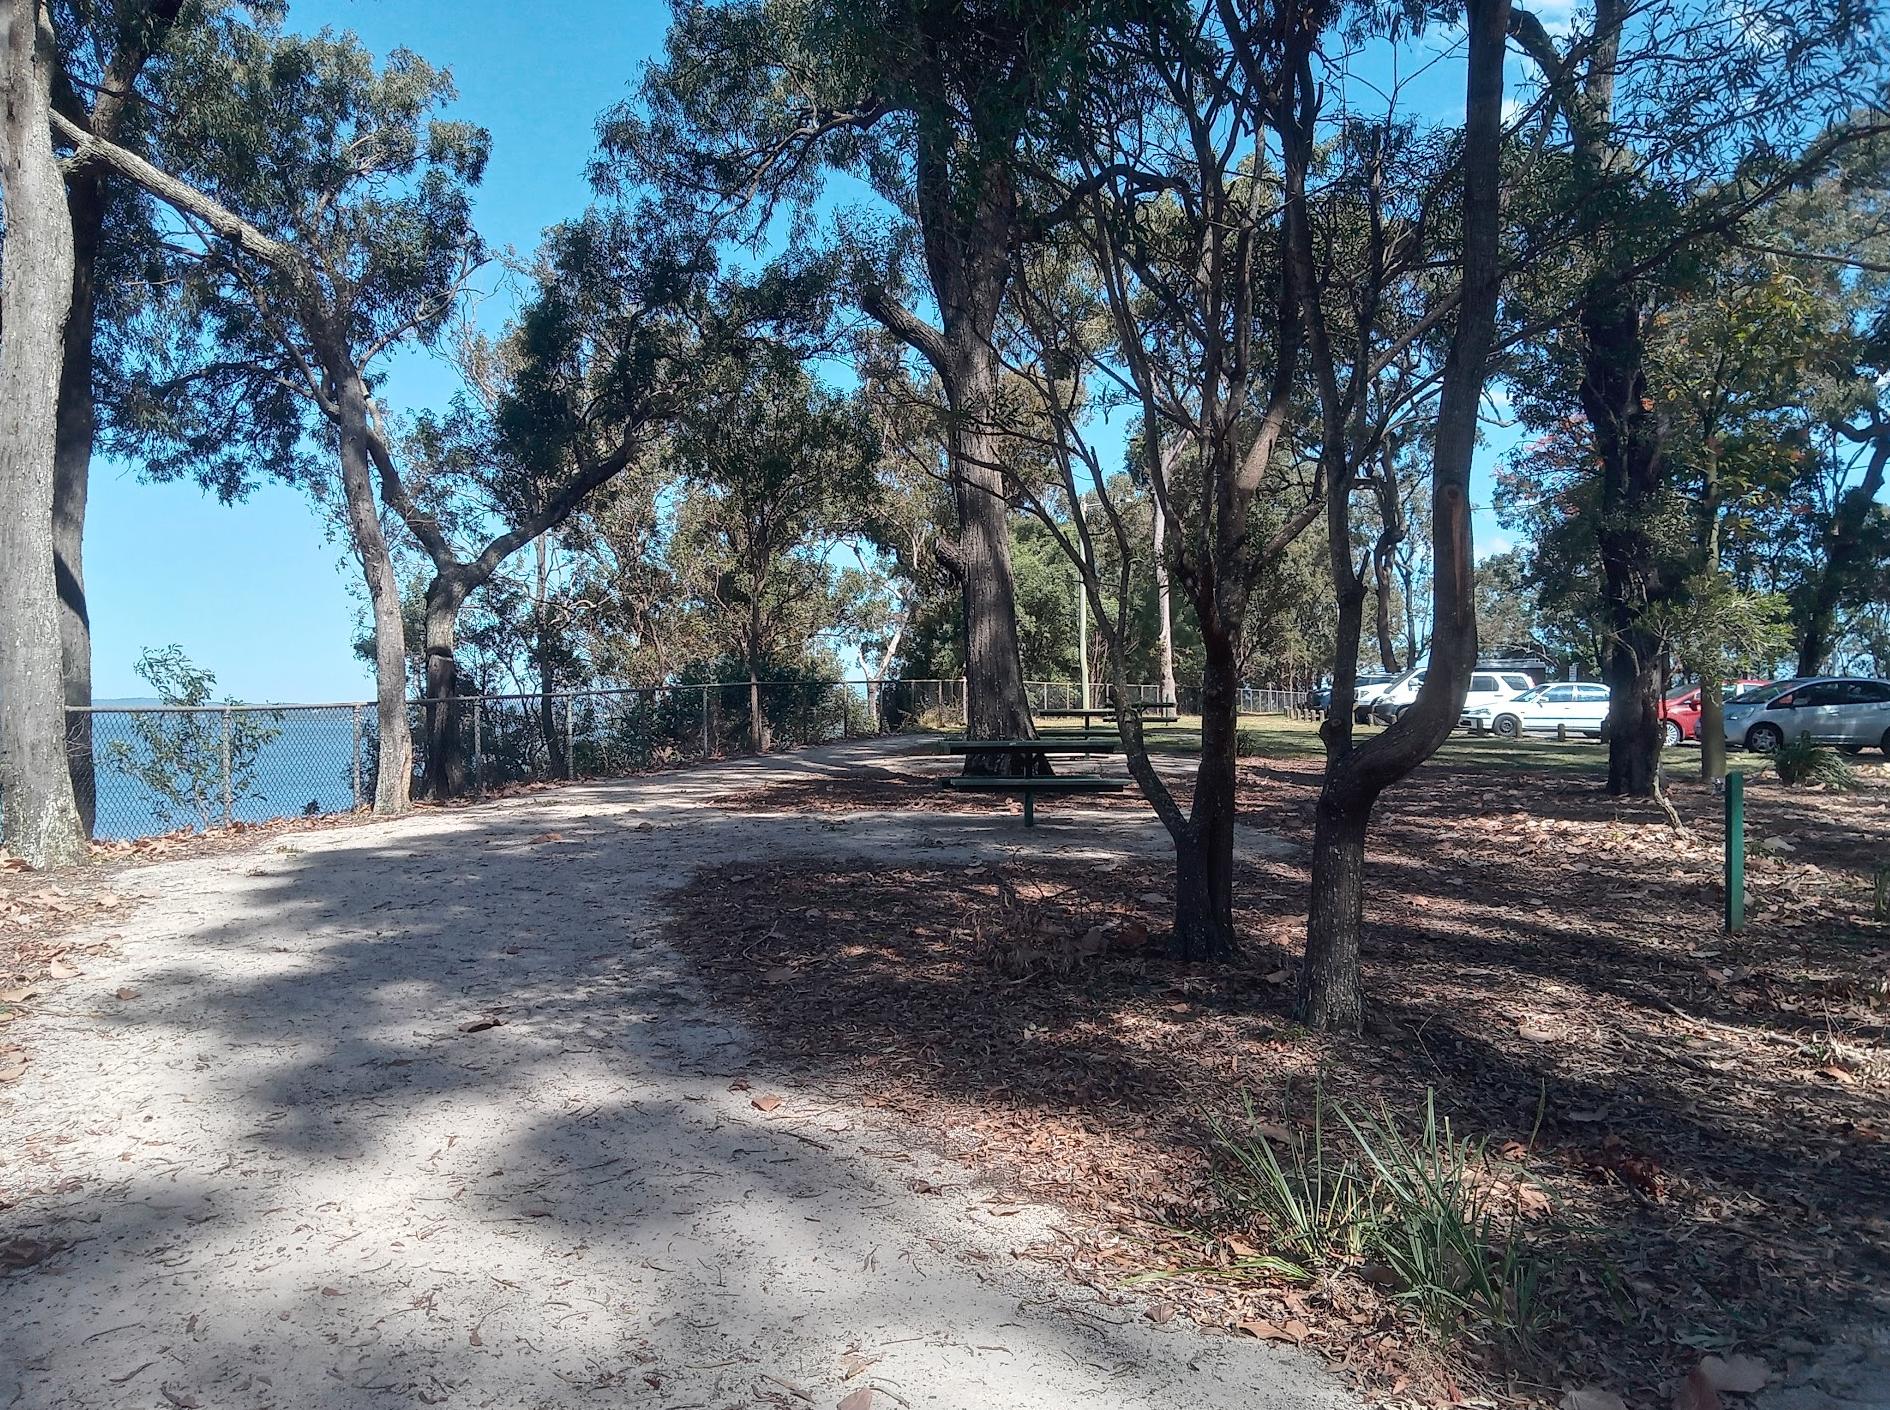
(309, 761)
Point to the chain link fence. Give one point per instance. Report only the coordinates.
(158, 768)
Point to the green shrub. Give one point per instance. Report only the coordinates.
(1803, 760)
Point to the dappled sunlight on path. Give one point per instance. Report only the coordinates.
(426, 1112)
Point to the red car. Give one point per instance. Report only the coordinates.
(1680, 709)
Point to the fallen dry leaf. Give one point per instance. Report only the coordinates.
(1161, 1314)
(1263, 1329)
(125, 991)
(480, 1025)
(1742, 1375)
(1591, 1398)
(12, 1069)
(861, 1399)
(59, 969)
(17, 996)
(1696, 1393)
(767, 1103)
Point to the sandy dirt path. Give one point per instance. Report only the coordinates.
(289, 1178)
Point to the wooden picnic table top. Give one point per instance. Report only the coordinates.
(1051, 744)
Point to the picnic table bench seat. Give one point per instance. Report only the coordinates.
(1030, 788)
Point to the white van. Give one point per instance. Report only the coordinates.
(1487, 687)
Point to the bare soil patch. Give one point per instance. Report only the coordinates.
(1706, 1115)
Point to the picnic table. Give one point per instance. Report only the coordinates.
(1030, 788)
(1107, 712)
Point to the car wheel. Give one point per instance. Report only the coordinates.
(1850, 749)
(1884, 743)
(1763, 739)
(1671, 734)
(1508, 726)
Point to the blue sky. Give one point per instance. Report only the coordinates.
(257, 592)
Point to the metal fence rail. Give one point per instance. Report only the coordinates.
(162, 767)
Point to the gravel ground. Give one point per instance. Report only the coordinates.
(424, 1112)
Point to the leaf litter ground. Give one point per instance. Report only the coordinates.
(1695, 1124)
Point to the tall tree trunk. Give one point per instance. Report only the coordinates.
(1164, 622)
(39, 818)
(548, 723)
(1381, 615)
(1632, 671)
(72, 468)
(446, 770)
(394, 777)
(995, 704)
(1329, 991)
(1204, 859)
(72, 455)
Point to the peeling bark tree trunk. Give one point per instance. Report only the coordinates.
(39, 819)
(393, 779)
(72, 468)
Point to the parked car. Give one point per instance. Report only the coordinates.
(1486, 688)
(1321, 698)
(1680, 708)
(1579, 706)
(1850, 712)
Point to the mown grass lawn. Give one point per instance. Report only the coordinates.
(1276, 737)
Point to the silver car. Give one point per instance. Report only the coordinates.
(1847, 711)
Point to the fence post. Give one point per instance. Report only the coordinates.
(479, 715)
(705, 722)
(570, 758)
(358, 755)
(1735, 853)
(229, 787)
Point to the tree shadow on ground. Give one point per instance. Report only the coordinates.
(430, 1110)
(1544, 959)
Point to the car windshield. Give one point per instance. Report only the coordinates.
(1680, 692)
(1758, 693)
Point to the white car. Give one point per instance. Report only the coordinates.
(1486, 688)
(1851, 712)
(1577, 706)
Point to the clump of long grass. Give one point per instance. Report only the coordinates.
(1419, 1201)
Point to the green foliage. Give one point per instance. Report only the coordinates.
(1427, 1204)
(346, 162)
(1802, 760)
(1717, 629)
(179, 757)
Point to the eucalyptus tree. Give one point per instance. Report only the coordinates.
(933, 104)
(1166, 302)
(102, 85)
(328, 213)
(1671, 124)
(776, 473)
(623, 320)
(39, 819)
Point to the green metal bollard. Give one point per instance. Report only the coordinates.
(1735, 853)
